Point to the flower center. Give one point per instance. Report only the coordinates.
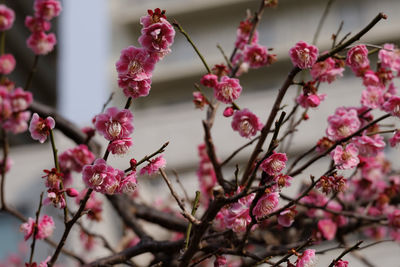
(344, 130)
(226, 91)
(114, 129)
(134, 68)
(96, 179)
(246, 127)
(3, 21)
(277, 165)
(20, 103)
(304, 55)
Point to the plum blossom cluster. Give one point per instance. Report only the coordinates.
(40, 42)
(135, 66)
(45, 228)
(205, 173)
(7, 17)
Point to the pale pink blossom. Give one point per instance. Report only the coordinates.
(372, 97)
(120, 146)
(357, 58)
(389, 57)
(41, 43)
(303, 55)
(345, 158)
(40, 128)
(133, 88)
(286, 217)
(17, 122)
(154, 165)
(326, 71)
(392, 106)
(20, 100)
(47, 9)
(7, 17)
(158, 37)
(128, 184)
(392, 90)
(227, 90)
(343, 123)
(255, 55)
(369, 146)
(246, 123)
(395, 139)
(266, 204)
(135, 63)
(7, 63)
(307, 259)
(310, 100)
(37, 24)
(45, 228)
(209, 80)
(274, 163)
(328, 228)
(114, 123)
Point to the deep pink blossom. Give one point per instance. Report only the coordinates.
(246, 123)
(343, 123)
(227, 90)
(47, 9)
(205, 172)
(53, 178)
(135, 63)
(357, 58)
(266, 204)
(75, 158)
(220, 261)
(45, 228)
(303, 55)
(37, 24)
(228, 112)
(341, 263)
(41, 43)
(7, 63)
(101, 177)
(392, 106)
(327, 228)
(311, 100)
(274, 163)
(326, 71)
(307, 259)
(209, 80)
(158, 37)
(133, 88)
(155, 16)
(371, 79)
(243, 34)
(7, 17)
(154, 165)
(369, 146)
(282, 180)
(255, 55)
(372, 97)
(345, 158)
(40, 128)
(114, 123)
(395, 139)
(120, 146)
(20, 100)
(389, 57)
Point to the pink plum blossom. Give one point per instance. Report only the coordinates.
(328, 228)
(307, 259)
(17, 122)
(266, 204)
(40, 128)
(246, 123)
(158, 37)
(199, 100)
(135, 64)
(311, 100)
(243, 34)
(154, 165)
(227, 90)
(128, 184)
(133, 88)
(45, 228)
(75, 158)
(114, 123)
(37, 24)
(220, 261)
(41, 43)
(7, 17)
(392, 106)
(47, 9)
(372, 97)
(395, 139)
(205, 172)
(283, 180)
(255, 55)
(341, 263)
(20, 99)
(346, 158)
(303, 55)
(155, 16)
(369, 146)
(274, 163)
(371, 79)
(357, 58)
(286, 217)
(343, 123)
(389, 57)
(228, 112)
(120, 146)
(209, 80)
(7, 63)
(326, 71)
(93, 205)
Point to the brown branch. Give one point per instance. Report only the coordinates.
(234, 153)
(354, 247)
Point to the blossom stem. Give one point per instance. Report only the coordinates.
(31, 73)
(146, 158)
(194, 209)
(35, 230)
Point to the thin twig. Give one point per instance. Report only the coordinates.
(147, 158)
(194, 209)
(31, 73)
(322, 21)
(35, 229)
(354, 247)
(225, 57)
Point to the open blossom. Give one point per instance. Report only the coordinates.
(346, 158)
(158, 37)
(41, 43)
(75, 158)
(45, 228)
(307, 259)
(326, 71)
(274, 163)
(286, 217)
(243, 34)
(372, 97)
(209, 80)
(392, 106)
(303, 55)
(135, 63)
(389, 57)
(371, 79)
(20, 100)
(120, 146)
(343, 123)
(47, 9)
(227, 90)
(133, 88)
(155, 16)
(369, 146)
(311, 100)
(154, 165)
(100, 176)
(114, 123)
(7, 63)
(328, 228)
(395, 139)
(17, 122)
(37, 24)
(357, 58)
(266, 204)
(40, 128)
(255, 55)
(246, 123)
(7, 17)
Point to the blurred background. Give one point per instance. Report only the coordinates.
(79, 76)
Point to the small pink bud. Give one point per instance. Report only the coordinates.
(133, 163)
(228, 112)
(72, 192)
